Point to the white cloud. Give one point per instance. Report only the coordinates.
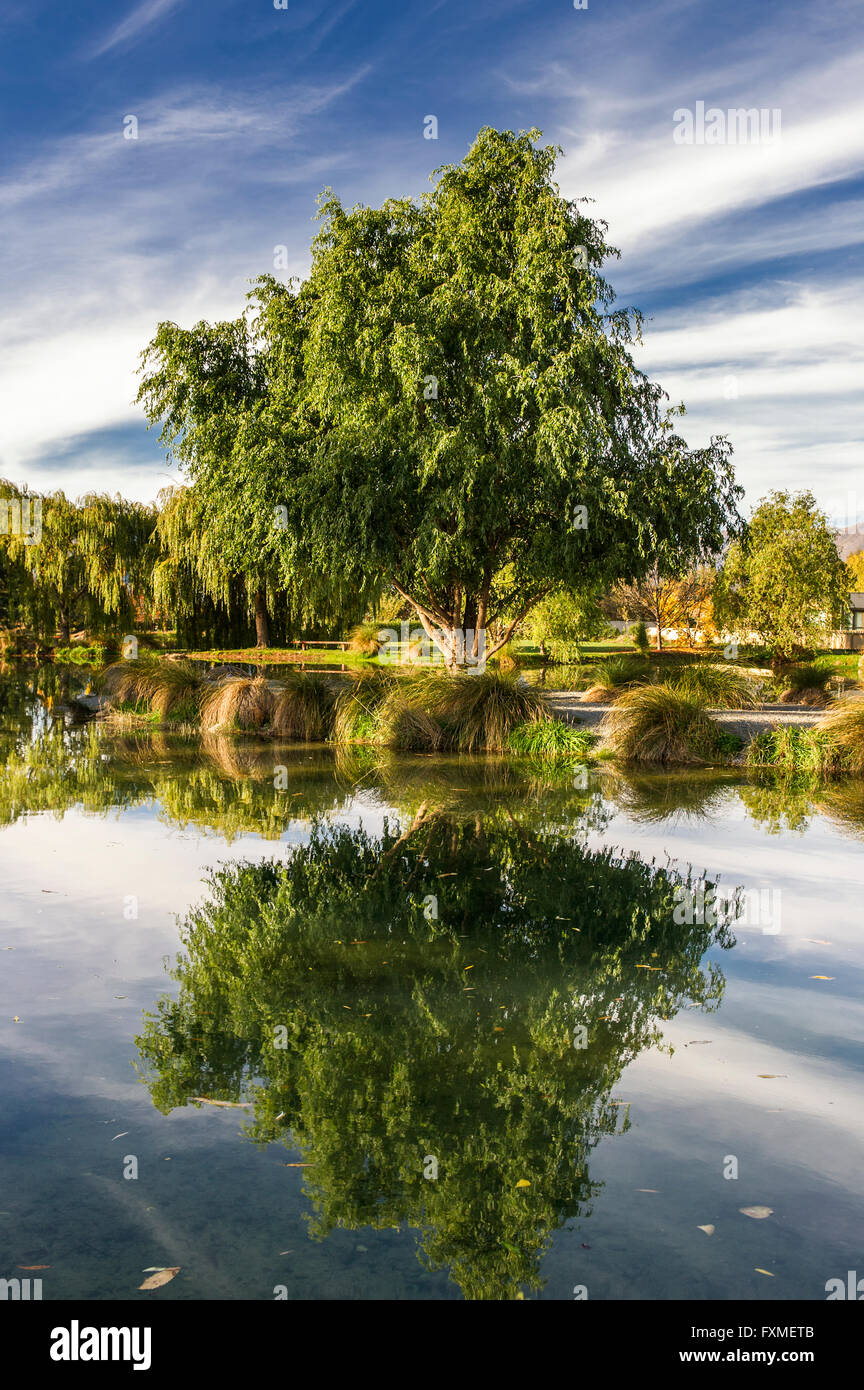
(139, 19)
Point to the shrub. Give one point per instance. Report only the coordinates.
(639, 633)
(659, 724)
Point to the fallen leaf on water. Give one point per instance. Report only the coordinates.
(816, 942)
(647, 1189)
(121, 1135)
(647, 967)
(162, 1276)
(520, 1295)
(758, 1213)
(224, 1104)
(16, 1019)
(709, 1230)
(772, 1076)
(699, 1042)
(523, 1182)
(296, 1165)
(763, 1271)
(822, 977)
(35, 1266)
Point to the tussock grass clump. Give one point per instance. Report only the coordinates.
(238, 702)
(363, 638)
(787, 749)
(355, 715)
(551, 740)
(402, 722)
(659, 724)
(806, 684)
(164, 687)
(606, 679)
(841, 735)
(303, 708)
(723, 687)
(478, 711)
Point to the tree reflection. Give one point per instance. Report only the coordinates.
(387, 1002)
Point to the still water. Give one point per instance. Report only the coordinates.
(485, 1029)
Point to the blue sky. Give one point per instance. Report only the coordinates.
(747, 258)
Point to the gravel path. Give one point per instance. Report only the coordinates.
(746, 723)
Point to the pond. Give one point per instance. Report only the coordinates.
(315, 1026)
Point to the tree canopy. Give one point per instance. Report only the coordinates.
(448, 405)
(783, 579)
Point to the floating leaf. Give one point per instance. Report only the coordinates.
(822, 977)
(757, 1213)
(162, 1276)
(763, 1271)
(35, 1266)
(523, 1182)
(772, 1076)
(121, 1135)
(709, 1230)
(223, 1104)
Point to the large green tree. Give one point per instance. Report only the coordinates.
(783, 580)
(484, 432)
(87, 564)
(448, 405)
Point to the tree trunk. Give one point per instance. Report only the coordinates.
(262, 628)
(65, 630)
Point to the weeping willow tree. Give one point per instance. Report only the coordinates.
(76, 564)
(223, 399)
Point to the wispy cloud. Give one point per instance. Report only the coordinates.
(144, 16)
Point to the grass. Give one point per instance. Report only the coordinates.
(841, 733)
(607, 678)
(835, 745)
(303, 708)
(160, 687)
(551, 740)
(237, 702)
(806, 684)
(721, 687)
(786, 749)
(364, 640)
(654, 724)
(478, 711)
